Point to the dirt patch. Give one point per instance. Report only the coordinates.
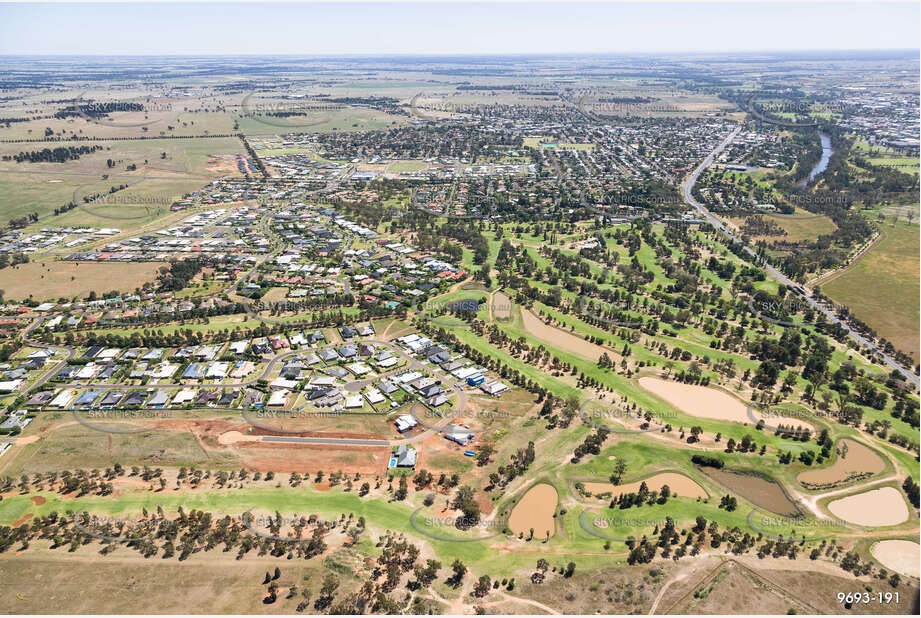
(501, 306)
(853, 460)
(535, 510)
(37, 500)
(25, 518)
(222, 164)
(559, 338)
(761, 492)
(27, 440)
(232, 437)
(877, 507)
(679, 485)
(901, 556)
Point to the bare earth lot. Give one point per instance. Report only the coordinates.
(54, 280)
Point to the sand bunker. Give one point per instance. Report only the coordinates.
(706, 402)
(561, 339)
(878, 507)
(679, 484)
(535, 510)
(37, 500)
(901, 556)
(232, 437)
(854, 459)
(761, 492)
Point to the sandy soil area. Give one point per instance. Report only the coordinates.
(501, 306)
(678, 484)
(877, 507)
(707, 402)
(901, 556)
(561, 339)
(535, 510)
(853, 458)
(232, 437)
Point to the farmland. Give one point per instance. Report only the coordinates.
(879, 288)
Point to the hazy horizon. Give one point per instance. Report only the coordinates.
(449, 29)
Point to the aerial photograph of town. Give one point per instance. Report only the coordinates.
(518, 308)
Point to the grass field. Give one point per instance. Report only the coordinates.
(165, 170)
(51, 280)
(348, 119)
(801, 227)
(882, 287)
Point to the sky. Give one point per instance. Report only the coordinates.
(379, 28)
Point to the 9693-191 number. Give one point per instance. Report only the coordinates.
(868, 597)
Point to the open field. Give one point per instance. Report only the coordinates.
(52, 280)
(882, 287)
(348, 119)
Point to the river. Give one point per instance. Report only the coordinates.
(822, 165)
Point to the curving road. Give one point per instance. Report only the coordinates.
(686, 191)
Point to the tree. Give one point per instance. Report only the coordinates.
(481, 588)
(459, 570)
(620, 467)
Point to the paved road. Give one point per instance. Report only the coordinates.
(687, 187)
(71, 352)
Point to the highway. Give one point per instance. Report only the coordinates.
(686, 191)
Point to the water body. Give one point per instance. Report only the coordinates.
(822, 165)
